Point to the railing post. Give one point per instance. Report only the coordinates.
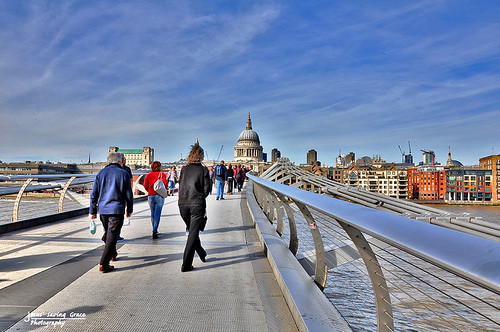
(270, 205)
(279, 214)
(258, 194)
(135, 184)
(294, 239)
(321, 269)
(18, 199)
(61, 199)
(261, 199)
(385, 320)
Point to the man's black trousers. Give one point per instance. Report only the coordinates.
(112, 226)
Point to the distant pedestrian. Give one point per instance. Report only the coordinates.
(154, 199)
(230, 179)
(194, 187)
(172, 180)
(220, 179)
(129, 172)
(212, 177)
(245, 171)
(112, 197)
(239, 175)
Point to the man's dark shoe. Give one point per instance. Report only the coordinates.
(222, 198)
(155, 235)
(106, 268)
(187, 269)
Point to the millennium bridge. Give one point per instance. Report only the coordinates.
(293, 251)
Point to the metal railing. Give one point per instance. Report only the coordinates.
(58, 184)
(408, 263)
(286, 172)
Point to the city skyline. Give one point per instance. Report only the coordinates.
(78, 77)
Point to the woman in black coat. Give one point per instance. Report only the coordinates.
(194, 187)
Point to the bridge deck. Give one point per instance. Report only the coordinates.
(54, 269)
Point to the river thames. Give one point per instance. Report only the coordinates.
(487, 212)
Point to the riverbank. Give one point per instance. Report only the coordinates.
(453, 203)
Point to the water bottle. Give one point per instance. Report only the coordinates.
(92, 226)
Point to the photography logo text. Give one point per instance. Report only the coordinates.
(53, 319)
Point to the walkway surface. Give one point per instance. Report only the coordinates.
(49, 276)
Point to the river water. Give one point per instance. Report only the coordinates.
(34, 207)
(487, 212)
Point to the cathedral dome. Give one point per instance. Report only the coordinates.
(248, 148)
(248, 134)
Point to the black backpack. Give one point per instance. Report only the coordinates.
(219, 171)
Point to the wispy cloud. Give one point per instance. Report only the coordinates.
(77, 76)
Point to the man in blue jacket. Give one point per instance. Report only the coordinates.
(112, 197)
(220, 178)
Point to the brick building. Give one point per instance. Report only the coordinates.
(492, 163)
(427, 183)
(469, 185)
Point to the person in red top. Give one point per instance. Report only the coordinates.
(239, 176)
(155, 201)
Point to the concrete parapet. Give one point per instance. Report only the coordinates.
(310, 308)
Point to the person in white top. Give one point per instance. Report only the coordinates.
(172, 180)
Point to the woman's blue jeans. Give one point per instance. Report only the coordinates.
(155, 205)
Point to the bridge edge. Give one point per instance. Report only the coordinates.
(310, 308)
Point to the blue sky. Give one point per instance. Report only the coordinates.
(362, 76)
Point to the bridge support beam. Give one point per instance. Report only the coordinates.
(63, 194)
(321, 269)
(15, 211)
(294, 239)
(136, 186)
(385, 320)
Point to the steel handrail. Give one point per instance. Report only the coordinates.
(472, 257)
(56, 176)
(44, 176)
(29, 187)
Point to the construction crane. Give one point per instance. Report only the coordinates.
(222, 146)
(403, 156)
